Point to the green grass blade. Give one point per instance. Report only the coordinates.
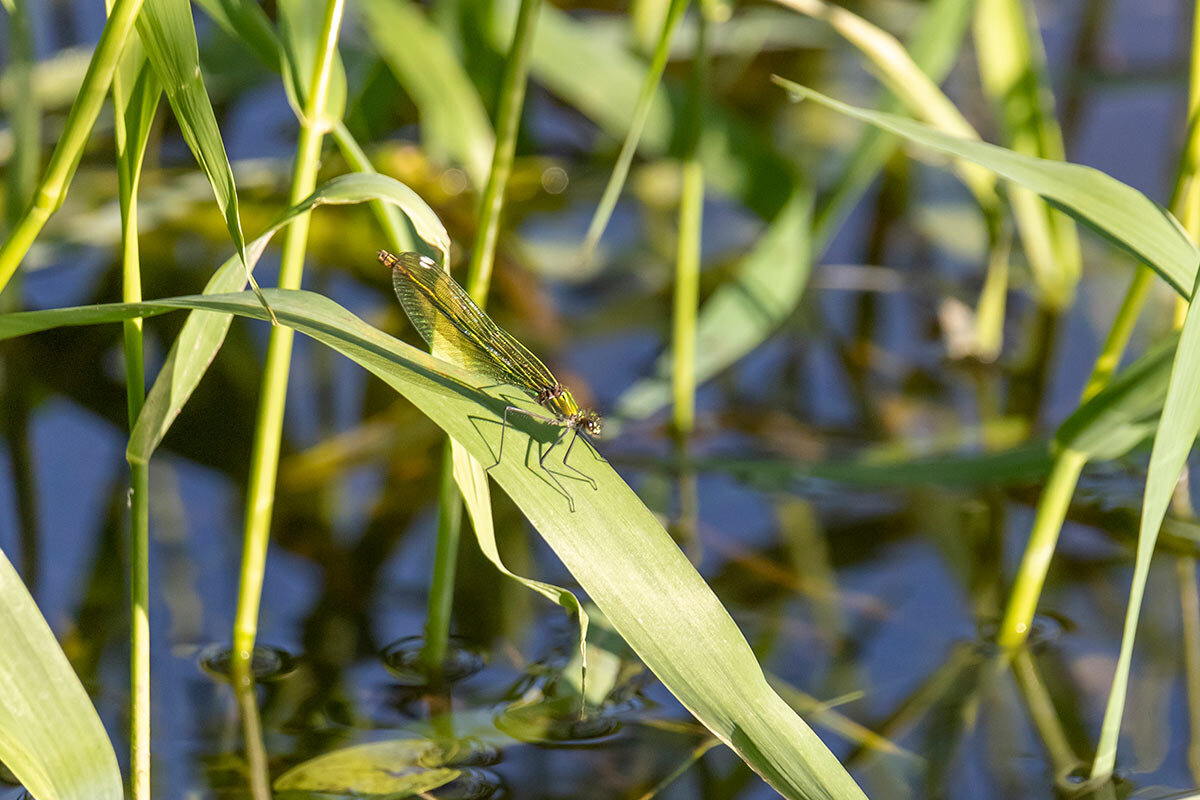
(933, 46)
(612, 544)
(52, 189)
(1122, 414)
(472, 482)
(453, 120)
(50, 735)
(1012, 67)
(508, 119)
(300, 24)
(685, 303)
(203, 333)
(24, 117)
(268, 426)
(601, 79)
(1113, 209)
(136, 94)
(1177, 429)
(169, 36)
(900, 73)
(246, 22)
(741, 313)
(641, 111)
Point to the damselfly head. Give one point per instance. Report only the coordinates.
(589, 422)
(387, 259)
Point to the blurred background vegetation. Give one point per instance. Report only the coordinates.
(835, 365)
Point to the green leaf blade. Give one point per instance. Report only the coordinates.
(50, 735)
(613, 545)
(1116, 211)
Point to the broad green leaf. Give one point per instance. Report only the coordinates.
(1012, 67)
(611, 543)
(203, 333)
(169, 36)
(395, 768)
(453, 119)
(1177, 429)
(641, 111)
(50, 735)
(1113, 209)
(741, 313)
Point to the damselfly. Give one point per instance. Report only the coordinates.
(457, 329)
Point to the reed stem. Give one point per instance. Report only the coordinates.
(82, 116)
(268, 434)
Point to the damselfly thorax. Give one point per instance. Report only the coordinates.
(458, 330)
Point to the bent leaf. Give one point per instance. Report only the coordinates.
(203, 333)
(613, 545)
(50, 736)
(394, 768)
(1115, 210)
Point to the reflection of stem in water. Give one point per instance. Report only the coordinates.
(445, 562)
(692, 757)
(1043, 714)
(16, 407)
(1189, 600)
(258, 775)
(685, 529)
(917, 705)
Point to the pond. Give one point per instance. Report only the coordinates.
(857, 489)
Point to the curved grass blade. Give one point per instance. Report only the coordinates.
(169, 36)
(50, 735)
(900, 73)
(1177, 430)
(770, 281)
(300, 24)
(203, 333)
(1012, 67)
(601, 78)
(1116, 211)
(934, 46)
(52, 189)
(641, 110)
(472, 483)
(611, 543)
